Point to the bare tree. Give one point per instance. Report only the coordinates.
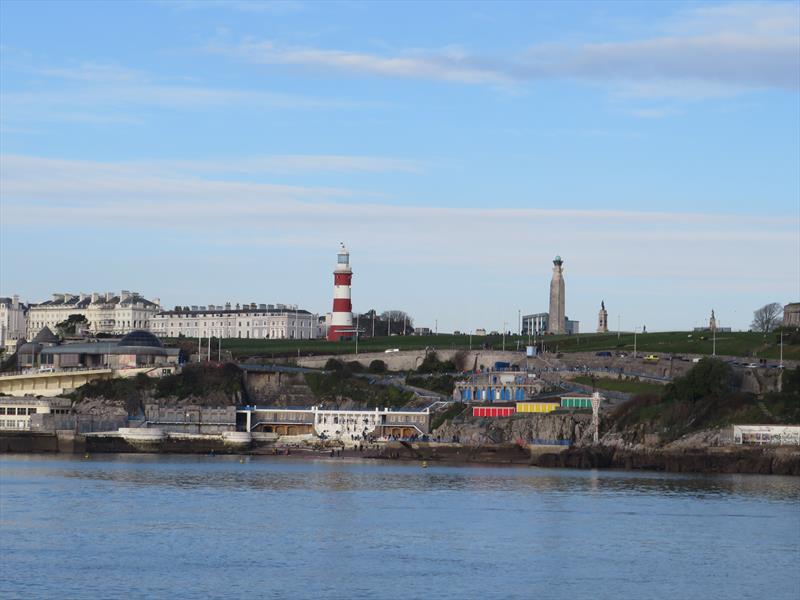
(398, 320)
(767, 318)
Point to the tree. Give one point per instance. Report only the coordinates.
(71, 325)
(710, 378)
(767, 318)
(399, 319)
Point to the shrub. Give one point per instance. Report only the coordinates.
(334, 365)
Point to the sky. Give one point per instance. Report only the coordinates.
(206, 151)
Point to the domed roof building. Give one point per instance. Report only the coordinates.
(137, 349)
(142, 339)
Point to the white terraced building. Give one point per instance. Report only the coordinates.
(262, 321)
(13, 321)
(116, 314)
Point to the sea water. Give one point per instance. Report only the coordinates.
(147, 526)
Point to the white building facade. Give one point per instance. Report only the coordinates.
(263, 321)
(109, 313)
(13, 322)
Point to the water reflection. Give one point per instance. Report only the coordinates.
(285, 474)
(203, 527)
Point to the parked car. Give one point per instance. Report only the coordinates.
(751, 366)
(387, 351)
(622, 354)
(608, 354)
(651, 358)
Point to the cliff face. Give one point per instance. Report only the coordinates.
(475, 431)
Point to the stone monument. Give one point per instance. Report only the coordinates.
(557, 318)
(602, 318)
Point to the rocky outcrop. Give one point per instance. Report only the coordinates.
(475, 431)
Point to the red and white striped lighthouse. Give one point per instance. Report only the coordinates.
(341, 323)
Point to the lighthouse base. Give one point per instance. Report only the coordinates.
(340, 333)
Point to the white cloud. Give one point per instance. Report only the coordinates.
(689, 257)
(37, 189)
(716, 50)
(443, 65)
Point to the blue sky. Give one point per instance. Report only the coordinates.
(204, 152)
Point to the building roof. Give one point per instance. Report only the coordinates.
(234, 311)
(140, 337)
(29, 348)
(109, 348)
(46, 336)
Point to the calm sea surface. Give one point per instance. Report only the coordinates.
(122, 526)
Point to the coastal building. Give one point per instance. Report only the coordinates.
(557, 321)
(791, 315)
(29, 352)
(602, 318)
(246, 321)
(493, 411)
(16, 413)
(346, 425)
(109, 313)
(190, 418)
(13, 322)
(539, 324)
(137, 349)
(340, 325)
(542, 407)
(773, 435)
(497, 386)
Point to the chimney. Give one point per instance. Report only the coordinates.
(95, 296)
(157, 302)
(227, 306)
(124, 295)
(109, 296)
(15, 301)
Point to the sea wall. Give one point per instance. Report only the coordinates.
(731, 459)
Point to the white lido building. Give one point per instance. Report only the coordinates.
(262, 321)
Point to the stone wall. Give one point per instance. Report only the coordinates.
(408, 360)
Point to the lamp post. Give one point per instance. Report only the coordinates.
(357, 317)
(505, 324)
(714, 341)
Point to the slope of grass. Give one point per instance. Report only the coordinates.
(675, 342)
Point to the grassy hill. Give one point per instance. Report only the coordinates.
(677, 342)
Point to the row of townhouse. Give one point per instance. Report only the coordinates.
(119, 314)
(109, 313)
(249, 321)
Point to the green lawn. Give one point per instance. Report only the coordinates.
(735, 344)
(626, 386)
